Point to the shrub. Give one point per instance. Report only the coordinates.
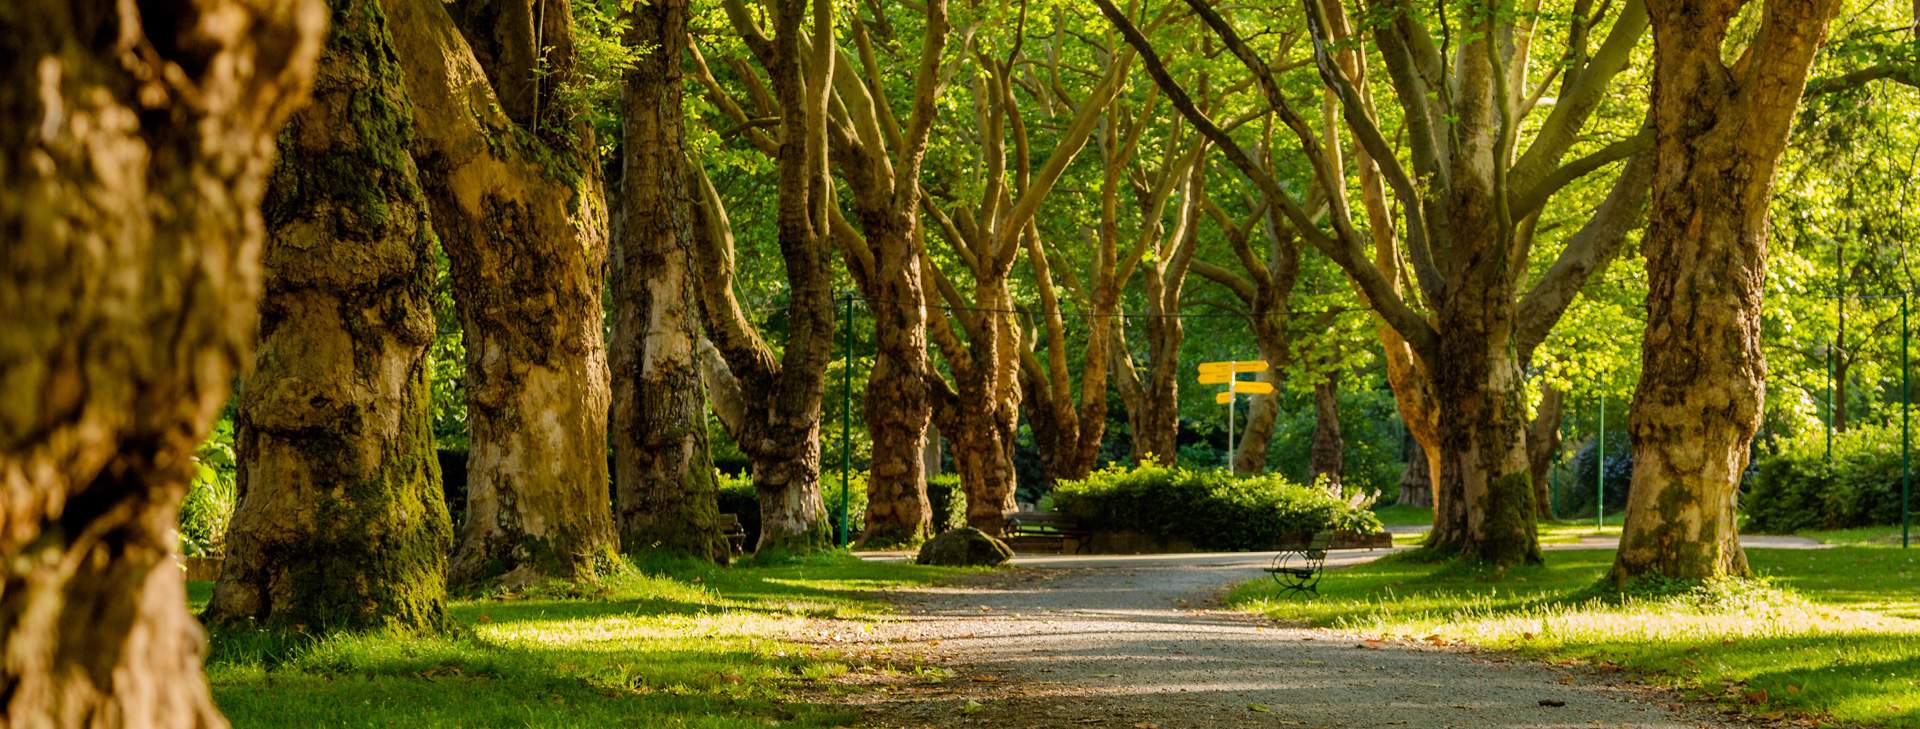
(1209, 508)
(1800, 489)
(949, 502)
(211, 495)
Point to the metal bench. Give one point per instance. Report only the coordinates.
(1299, 570)
(735, 533)
(1050, 525)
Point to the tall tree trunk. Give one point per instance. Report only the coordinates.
(524, 227)
(1720, 134)
(664, 485)
(780, 427)
(132, 164)
(1416, 480)
(898, 401)
(1543, 441)
(981, 415)
(341, 523)
(1329, 450)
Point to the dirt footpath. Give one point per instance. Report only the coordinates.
(1141, 648)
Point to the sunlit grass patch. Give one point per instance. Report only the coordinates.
(669, 643)
(1828, 632)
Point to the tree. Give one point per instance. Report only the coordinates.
(516, 200)
(881, 164)
(979, 412)
(662, 470)
(340, 522)
(131, 172)
(777, 423)
(1069, 439)
(1468, 226)
(1720, 130)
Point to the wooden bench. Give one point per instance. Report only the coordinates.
(1299, 570)
(1050, 525)
(735, 533)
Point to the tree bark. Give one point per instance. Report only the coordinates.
(1416, 480)
(132, 166)
(664, 485)
(1329, 450)
(521, 216)
(1720, 132)
(1543, 441)
(884, 258)
(780, 430)
(341, 523)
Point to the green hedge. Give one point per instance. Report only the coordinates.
(1799, 489)
(1208, 508)
(948, 501)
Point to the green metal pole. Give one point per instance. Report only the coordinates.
(1906, 408)
(1600, 475)
(846, 418)
(1829, 422)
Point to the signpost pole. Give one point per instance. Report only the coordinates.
(1600, 475)
(846, 418)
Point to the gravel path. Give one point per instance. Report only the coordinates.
(1140, 647)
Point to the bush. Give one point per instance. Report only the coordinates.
(1800, 489)
(1208, 508)
(949, 502)
(211, 495)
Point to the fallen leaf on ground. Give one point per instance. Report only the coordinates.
(1792, 689)
(485, 619)
(971, 707)
(1262, 708)
(1757, 697)
(985, 679)
(1552, 702)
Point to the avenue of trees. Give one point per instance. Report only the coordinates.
(606, 243)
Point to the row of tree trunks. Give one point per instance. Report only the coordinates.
(1720, 132)
(663, 475)
(133, 159)
(340, 522)
(521, 216)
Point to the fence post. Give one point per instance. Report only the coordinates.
(1906, 407)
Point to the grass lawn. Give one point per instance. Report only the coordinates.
(1837, 635)
(671, 645)
(1403, 515)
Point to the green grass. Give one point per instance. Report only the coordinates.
(672, 644)
(1403, 515)
(1831, 632)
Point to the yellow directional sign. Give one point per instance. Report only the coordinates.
(1241, 366)
(1250, 388)
(1216, 378)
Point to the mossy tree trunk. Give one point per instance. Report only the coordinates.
(519, 210)
(662, 470)
(341, 523)
(132, 164)
(1721, 130)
